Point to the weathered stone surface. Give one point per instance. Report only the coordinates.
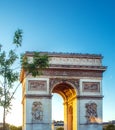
(78, 79)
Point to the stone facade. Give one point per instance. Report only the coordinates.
(78, 79)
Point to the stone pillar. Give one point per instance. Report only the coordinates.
(90, 119)
(90, 105)
(65, 116)
(72, 114)
(37, 105)
(70, 118)
(75, 114)
(38, 113)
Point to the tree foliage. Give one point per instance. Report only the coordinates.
(8, 76)
(38, 63)
(11, 127)
(17, 40)
(110, 127)
(60, 128)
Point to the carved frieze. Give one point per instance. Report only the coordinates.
(72, 72)
(91, 86)
(91, 112)
(75, 61)
(37, 111)
(37, 85)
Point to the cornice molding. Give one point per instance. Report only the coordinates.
(78, 67)
(61, 54)
(38, 96)
(90, 97)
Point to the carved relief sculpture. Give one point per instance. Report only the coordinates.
(78, 73)
(39, 85)
(91, 112)
(37, 111)
(54, 81)
(91, 86)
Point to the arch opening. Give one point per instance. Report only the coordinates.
(68, 93)
(57, 111)
(65, 90)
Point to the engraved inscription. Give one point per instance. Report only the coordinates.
(91, 86)
(39, 85)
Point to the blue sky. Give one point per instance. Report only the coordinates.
(79, 26)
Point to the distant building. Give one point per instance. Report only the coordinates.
(57, 124)
(112, 122)
(108, 123)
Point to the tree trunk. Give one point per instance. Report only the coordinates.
(4, 112)
(4, 123)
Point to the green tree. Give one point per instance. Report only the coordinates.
(36, 66)
(110, 127)
(60, 128)
(8, 75)
(12, 127)
(19, 128)
(7, 127)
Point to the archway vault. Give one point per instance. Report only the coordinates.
(67, 91)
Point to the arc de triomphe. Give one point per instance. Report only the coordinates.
(78, 79)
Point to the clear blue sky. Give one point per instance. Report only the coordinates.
(80, 26)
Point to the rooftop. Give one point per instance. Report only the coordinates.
(61, 54)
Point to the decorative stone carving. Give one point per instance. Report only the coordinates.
(75, 61)
(37, 111)
(91, 112)
(70, 72)
(91, 86)
(37, 85)
(55, 81)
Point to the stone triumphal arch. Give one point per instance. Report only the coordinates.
(78, 79)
